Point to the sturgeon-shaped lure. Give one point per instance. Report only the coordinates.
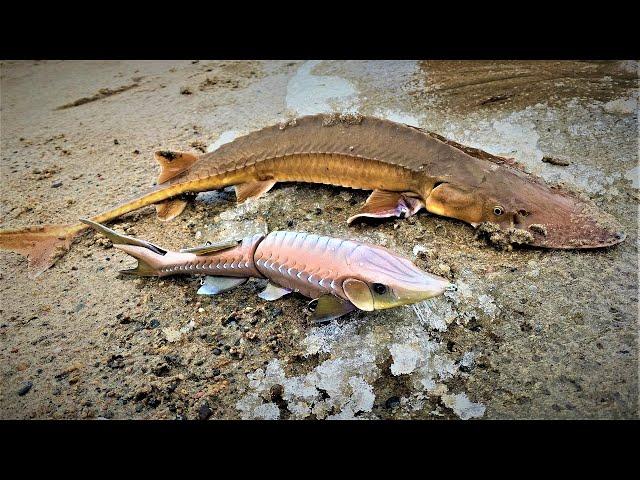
(407, 168)
(343, 275)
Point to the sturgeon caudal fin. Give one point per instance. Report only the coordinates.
(42, 245)
(173, 163)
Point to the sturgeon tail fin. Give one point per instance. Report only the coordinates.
(42, 245)
(149, 256)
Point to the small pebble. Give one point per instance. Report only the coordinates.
(392, 402)
(154, 323)
(26, 386)
(56, 184)
(217, 351)
(204, 412)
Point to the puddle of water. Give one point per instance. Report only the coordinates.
(634, 176)
(225, 137)
(308, 93)
(399, 116)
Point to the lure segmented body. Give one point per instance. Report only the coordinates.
(342, 274)
(311, 264)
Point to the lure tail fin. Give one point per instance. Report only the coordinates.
(119, 239)
(149, 256)
(42, 245)
(149, 262)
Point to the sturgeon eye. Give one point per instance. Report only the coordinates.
(379, 288)
(498, 210)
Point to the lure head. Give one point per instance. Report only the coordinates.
(514, 202)
(382, 279)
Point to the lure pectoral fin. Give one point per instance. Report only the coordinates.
(359, 294)
(329, 307)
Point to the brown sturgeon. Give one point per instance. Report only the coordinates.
(342, 275)
(406, 167)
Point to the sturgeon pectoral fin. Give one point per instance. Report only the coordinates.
(383, 204)
(212, 247)
(173, 163)
(273, 292)
(170, 209)
(330, 307)
(215, 285)
(255, 189)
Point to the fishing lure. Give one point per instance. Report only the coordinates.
(343, 275)
(407, 168)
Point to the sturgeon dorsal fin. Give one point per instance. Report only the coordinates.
(170, 209)
(330, 307)
(255, 189)
(173, 163)
(383, 203)
(211, 247)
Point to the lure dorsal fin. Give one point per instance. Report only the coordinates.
(173, 163)
(212, 247)
(255, 189)
(383, 204)
(330, 307)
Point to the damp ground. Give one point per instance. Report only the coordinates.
(528, 334)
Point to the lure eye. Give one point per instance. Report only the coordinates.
(379, 288)
(498, 210)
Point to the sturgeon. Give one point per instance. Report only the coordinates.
(342, 275)
(406, 167)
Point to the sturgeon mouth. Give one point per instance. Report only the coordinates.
(568, 224)
(574, 224)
